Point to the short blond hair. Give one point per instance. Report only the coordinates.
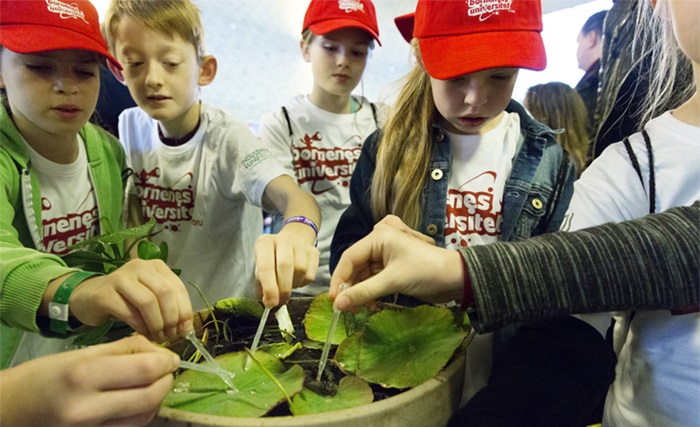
(171, 17)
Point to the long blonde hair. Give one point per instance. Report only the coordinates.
(669, 67)
(404, 149)
(559, 106)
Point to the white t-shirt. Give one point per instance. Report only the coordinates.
(322, 154)
(205, 195)
(479, 169)
(657, 379)
(68, 216)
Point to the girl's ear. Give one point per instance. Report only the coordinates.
(304, 50)
(207, 70)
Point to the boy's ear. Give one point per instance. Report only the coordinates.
(207, 71)
(304, 50)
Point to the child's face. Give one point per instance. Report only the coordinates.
(162, 73)
(470, 104)
(338, 59)
(686, 15)
(51, 94)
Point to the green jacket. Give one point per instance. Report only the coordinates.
(25, 271)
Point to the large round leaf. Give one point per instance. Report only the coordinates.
(257, 393)
(352, 392)
(402, 348)
(318, 318)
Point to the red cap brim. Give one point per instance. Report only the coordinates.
(481, 51)
(405, 25)
(326, 27)
(28, 39)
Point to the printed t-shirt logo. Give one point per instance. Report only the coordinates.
(351, 6)
(65, 10)
(484, 9)
(58, 234)
(169, 205)
(471, 211)
(325, 168)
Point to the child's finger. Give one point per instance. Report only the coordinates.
(265, 273)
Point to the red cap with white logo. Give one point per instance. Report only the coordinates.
(33, 26)
(463, 37)
(324, 16)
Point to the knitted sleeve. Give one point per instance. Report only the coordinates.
(648, 263)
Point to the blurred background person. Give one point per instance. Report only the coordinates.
(588, 53)
(559, 106)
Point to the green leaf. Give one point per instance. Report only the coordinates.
(318, 319)
(93, 336)
(148, 250)
(118, 236)
(402, 348)
(257, 393)
(164, 252)
(89, 261)
(352, 392)
(281, 350)
(240, 306)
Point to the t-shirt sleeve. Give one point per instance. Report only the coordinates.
(274, 134)
(609, 190)
(249, 165)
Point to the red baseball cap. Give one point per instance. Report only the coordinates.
(324, 16)
(463, 37)
(32, 26)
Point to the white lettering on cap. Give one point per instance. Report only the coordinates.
(484, 9)
(65, 10)
(351, 6)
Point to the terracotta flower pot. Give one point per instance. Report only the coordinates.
(429, 404)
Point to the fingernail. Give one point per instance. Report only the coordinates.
(176, 361)
(187, 326)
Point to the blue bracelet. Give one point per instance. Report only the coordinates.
(302, 219)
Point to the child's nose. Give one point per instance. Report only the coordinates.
(66, 83)
(474, 95)
(342, 59)
(154, 77)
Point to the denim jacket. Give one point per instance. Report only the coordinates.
(530, 205)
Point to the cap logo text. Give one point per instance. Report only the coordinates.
(65, 10)
(484, 9)
(351, 6)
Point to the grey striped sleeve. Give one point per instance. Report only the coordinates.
(648, 263)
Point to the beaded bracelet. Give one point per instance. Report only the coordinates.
(304, 220)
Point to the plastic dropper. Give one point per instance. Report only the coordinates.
(329, 338)
(258, 334)
(221, 372)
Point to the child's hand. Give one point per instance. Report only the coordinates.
(284, 261)
(145, 294)
(393, 258)
(120, 383)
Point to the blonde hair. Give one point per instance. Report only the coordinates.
(404, 149)
(669, 66)
(559, 106)
(171, 17)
